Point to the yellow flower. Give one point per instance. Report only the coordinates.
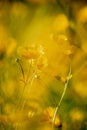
(76, 115)
(48, 116)
(32, 52)
(63, 79)
(82, 15)
(61, 23)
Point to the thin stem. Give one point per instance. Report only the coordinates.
(31, 82)
(28, 72)
(31, 79)
(25, 83)
(59, 103)
(22, 70)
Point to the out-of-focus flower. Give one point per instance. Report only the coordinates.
(76, 115)
(7, 44)
(81, 89)
(63, 43)
(82, 15)
(48, 114)
(34, 54)
(61, 23)
(11, 46)
(60, 37)
(63, 79)
(18, 9)
(7, 47)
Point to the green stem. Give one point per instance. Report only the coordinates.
(59, 103)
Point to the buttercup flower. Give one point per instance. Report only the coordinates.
(34, 54)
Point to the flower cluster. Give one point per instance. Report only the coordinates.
(34, 54)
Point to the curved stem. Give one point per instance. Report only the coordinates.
(59, 103)
(20, 99)
(22, 70)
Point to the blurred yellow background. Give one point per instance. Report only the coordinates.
(39, 41)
